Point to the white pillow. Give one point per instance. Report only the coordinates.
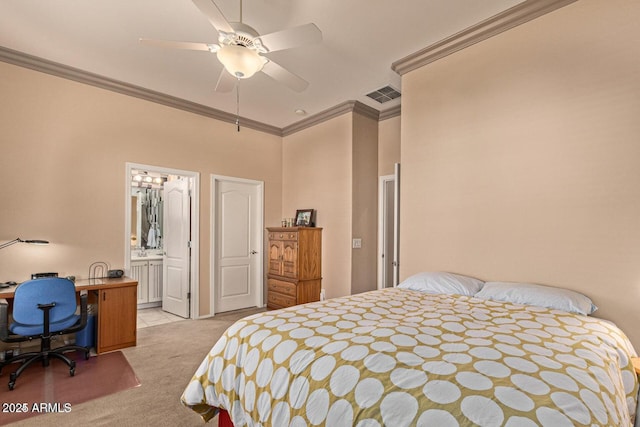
(539, 295)
(442, 283)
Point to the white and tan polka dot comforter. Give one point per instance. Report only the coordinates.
(398, 358)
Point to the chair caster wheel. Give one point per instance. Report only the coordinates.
(87, 355)
(12, 384)
(72, 372)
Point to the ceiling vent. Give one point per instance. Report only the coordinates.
(384, 94)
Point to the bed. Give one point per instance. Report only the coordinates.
(403, 356)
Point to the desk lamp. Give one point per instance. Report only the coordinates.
(19, 240)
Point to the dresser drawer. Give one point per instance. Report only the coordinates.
(281, 287)
(283, 235)
(275, 299)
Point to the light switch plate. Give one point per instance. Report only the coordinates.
(357, 243)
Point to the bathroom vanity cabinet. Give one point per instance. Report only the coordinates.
(148, 273)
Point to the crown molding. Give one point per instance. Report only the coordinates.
(390, 113)
(365, 110)
(330, 113)
(60, 70)
(517, 15)
(64, 71)
(317, 118)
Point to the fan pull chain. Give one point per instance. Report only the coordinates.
(238, 104)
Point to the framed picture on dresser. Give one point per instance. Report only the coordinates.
(304, 218)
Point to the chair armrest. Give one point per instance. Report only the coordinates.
(4, 319)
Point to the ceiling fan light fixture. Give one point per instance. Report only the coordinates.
(239, 61)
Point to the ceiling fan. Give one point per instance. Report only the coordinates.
(241, 49)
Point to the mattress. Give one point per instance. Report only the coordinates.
(400, 357)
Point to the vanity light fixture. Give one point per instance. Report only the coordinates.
(145, 179)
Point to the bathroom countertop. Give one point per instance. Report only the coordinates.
(147, 258)
(152, 255)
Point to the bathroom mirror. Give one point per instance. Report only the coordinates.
(146, 218)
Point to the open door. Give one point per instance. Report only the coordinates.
(386, 230)
(396, 226)
(176, 257)
(389, 230)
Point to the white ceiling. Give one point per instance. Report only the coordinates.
(361, 38)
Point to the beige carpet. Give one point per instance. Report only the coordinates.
(164, 361)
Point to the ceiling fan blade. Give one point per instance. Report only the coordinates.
(175, 45)
(226, 82)
(213, 14)
(284, 76)
(291, 37)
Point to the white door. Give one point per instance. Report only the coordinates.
(396, 226)
(237, 240)
(386, 215)
(389, 229)
(175, 260)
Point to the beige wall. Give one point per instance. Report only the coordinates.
(388, 145)
(65, 146)
(333, 167)
(317, 168)
(64, 149)
(520, 158)
(364, 217)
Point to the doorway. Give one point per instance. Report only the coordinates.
(236, 243)
(171, 245)
(388, 229)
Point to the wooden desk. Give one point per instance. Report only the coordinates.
(117, 315)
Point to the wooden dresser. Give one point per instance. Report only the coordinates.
(294, 274)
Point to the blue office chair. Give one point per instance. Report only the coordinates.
(43, 308)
